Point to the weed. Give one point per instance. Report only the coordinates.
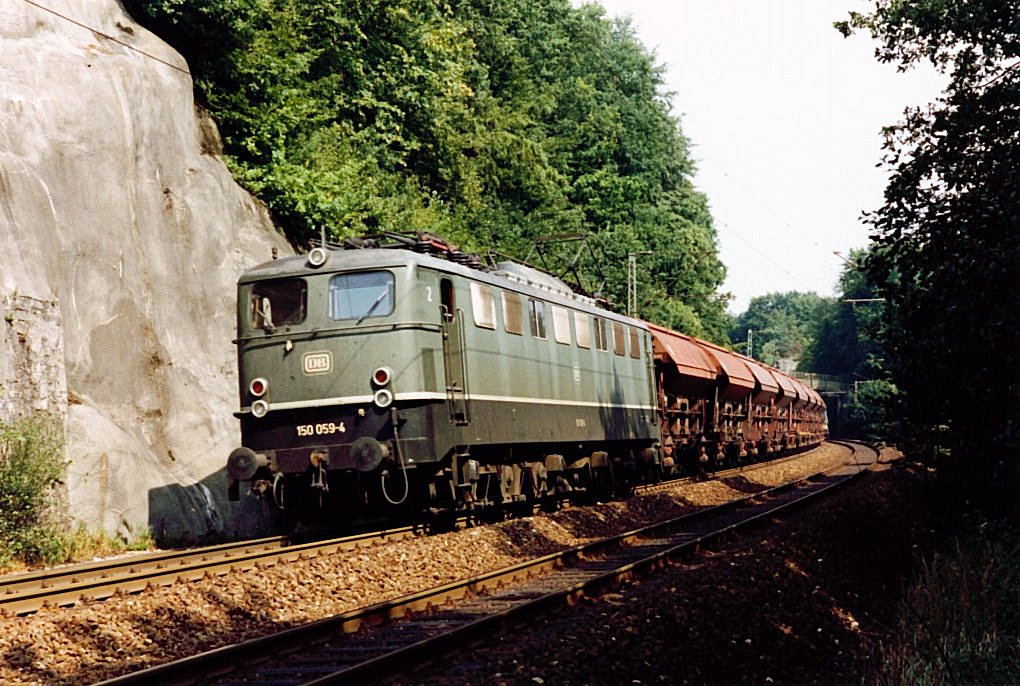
(960, 622)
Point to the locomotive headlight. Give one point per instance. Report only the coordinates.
(317, 257)
(260, 408)
(258, 387)
(383, 398)
(382, 376)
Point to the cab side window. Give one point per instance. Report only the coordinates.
(483, 305)
(278, 303)
(446, 299)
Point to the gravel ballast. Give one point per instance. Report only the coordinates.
(808, 600)
(100, 639)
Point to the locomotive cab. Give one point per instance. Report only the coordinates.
(377, 381)
(337, 364)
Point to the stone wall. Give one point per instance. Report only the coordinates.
(31, 358)
(123, 235)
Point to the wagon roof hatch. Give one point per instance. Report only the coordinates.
(690, 359)
(769, 386)
(741, 380)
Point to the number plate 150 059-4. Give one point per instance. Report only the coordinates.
(321, 429)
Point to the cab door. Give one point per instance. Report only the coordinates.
(454, 356)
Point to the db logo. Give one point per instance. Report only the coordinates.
(317, 363)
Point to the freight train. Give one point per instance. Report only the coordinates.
(396, 376)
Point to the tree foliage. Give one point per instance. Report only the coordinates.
(831, 336)
(845, 339)
(871, 411)
(491, 123)
(783, 325)
(946, 255)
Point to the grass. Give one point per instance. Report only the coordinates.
(960, 620)
(52, 545)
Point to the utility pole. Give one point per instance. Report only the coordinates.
(632, 281)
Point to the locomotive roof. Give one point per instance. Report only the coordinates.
(506, 275)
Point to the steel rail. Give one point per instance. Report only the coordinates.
(64, 586)
(485, 602)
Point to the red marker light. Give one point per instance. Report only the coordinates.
(258, 387)
(381, 377)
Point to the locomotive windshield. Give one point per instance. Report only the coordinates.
(278, 303)
(361, 295)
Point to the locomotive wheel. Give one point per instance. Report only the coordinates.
(439, 493)
(279, 492)
(534, 484)
(441, 514)
(603, 482)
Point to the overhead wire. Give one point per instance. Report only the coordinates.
(106, 35)
(758, 250)
(769, 259)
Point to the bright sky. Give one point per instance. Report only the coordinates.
(785, 116)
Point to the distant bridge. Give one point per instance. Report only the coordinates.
(826, 384)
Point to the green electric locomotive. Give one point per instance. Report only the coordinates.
(399, 375)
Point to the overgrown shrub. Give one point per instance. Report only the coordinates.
(32, 465)
(32, 528)
(960, 622)
(869, 412)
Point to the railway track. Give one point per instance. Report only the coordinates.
(369, 643)
(64, 586)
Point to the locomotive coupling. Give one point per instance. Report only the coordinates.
(244, 462)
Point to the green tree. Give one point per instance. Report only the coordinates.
(845, 340)
(871, 410)
(846, 344)
(946, 255)
(491, 123)
(783, 325)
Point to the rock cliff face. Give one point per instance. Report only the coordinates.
(122, 241)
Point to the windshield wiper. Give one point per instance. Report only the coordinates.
(267, 315)
(385, 292)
